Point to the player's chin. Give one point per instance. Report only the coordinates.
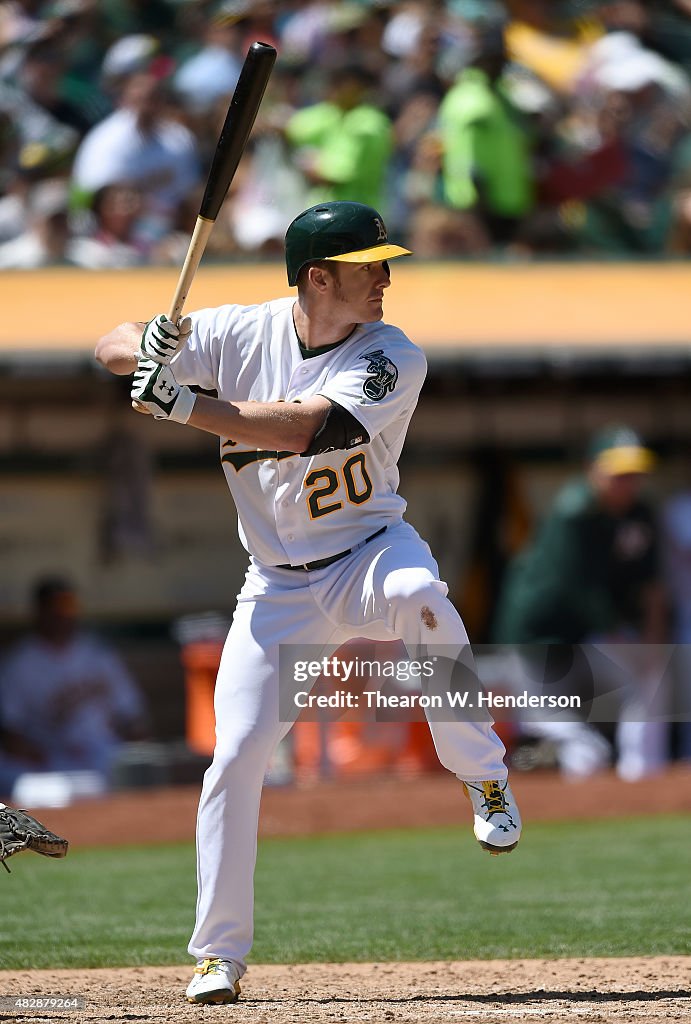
(375, 311)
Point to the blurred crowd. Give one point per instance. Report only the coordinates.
(480, 128)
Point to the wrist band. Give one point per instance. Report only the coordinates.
(184, 404)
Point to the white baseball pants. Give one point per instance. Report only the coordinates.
(387, 589)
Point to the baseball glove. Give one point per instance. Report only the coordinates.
(19, 831)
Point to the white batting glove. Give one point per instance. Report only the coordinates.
(156, 391)
(162, 338)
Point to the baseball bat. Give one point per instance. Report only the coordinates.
(241, 115)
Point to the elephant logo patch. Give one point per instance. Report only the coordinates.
(384, 375)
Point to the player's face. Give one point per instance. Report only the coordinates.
(359, 290)
(618, 492)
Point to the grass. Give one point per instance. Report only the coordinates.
(583, 889)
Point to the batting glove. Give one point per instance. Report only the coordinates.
(162, 338)
(156, 391)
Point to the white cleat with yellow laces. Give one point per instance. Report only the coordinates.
(497, 824)
(214, 981)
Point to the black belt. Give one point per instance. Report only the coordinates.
(321, 563)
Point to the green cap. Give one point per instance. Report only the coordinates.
(619, 450)
(342, 231)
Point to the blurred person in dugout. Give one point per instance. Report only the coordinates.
(676, 547)
(66, 701)
(584, 610)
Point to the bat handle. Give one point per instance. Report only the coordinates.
(195, 251)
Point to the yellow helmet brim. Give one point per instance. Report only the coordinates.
(374, 254)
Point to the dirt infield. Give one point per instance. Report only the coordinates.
(168, 815)
(644, 990)
(635, 991)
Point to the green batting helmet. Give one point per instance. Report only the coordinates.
(342, 231)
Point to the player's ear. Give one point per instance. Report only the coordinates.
(320, 275)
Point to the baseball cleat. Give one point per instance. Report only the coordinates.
(497, 824)
(215, 981)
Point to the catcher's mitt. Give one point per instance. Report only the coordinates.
(19, 831)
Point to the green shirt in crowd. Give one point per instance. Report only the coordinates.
(353, 148)
(486, 153)
(582, 576)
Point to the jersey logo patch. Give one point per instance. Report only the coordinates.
(384, 375)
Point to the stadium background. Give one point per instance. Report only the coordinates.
(530, 362)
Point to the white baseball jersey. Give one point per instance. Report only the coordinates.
(292, 509)
(295, 510)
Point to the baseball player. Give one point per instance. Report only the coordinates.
(314, 399)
